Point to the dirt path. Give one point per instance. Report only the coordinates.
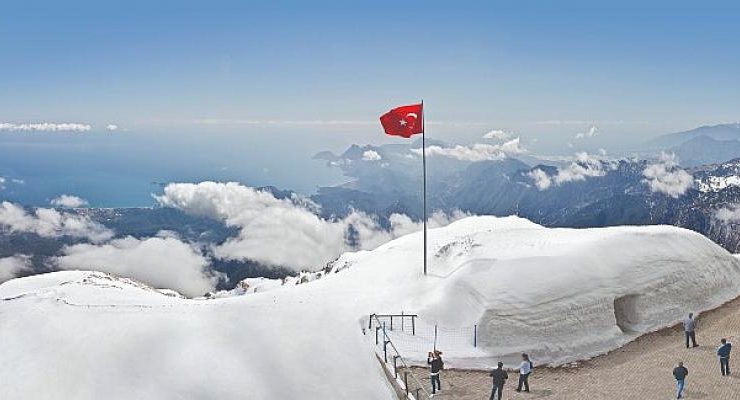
(639, 370)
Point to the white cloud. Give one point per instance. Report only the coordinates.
(476, 152)
(163, 262)
(541, 179)
(44, 127)
(666, 177)
(49, 222)
(728, 214)
(11, 267)
(584, 166)
(69, 201)
(371, 155)
(278, 232)
(5, 181)
(111, 127)
(498, 134)
(591, 132)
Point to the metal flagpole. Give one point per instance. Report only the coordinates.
(424, 176)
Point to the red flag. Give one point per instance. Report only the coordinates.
(404, 121)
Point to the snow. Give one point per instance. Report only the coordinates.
(717, 183)
(550, 292)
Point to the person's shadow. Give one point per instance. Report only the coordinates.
(540, 393)
(695, 394)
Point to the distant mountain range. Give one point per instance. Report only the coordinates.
(387, 179)
(703, 145)
(504, 187)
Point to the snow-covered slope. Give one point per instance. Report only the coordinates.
(551, 292)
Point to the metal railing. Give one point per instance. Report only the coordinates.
(410, 384)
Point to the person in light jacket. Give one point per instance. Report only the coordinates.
(689, 328)
(525, 368)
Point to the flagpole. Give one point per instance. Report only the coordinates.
(424, 178)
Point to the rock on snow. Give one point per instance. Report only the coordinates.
(559, 294)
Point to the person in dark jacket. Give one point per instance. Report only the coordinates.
(680, 373)
(436, 365)
(499, 378)
(724, 357)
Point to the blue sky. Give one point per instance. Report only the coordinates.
(289, 78)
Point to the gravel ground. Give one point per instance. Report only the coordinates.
(640, 370)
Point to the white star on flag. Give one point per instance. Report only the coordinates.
(402, 122)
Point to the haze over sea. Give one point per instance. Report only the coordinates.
(123, 169)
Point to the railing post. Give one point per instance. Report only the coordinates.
(406, 382)
(370, 321)
(435, 337)
(402, 318)
(391, 322)
(395, 366)
(377, 328)
(417, 393)
(413, 325)
(475, 335)
(385, 345)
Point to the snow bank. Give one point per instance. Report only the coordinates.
(559, 294)
(87, 335)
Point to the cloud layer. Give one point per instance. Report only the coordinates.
(11, 267)
(371, 155)
(47, 222)
(584, 166)
(162, 262)
(666, 177)
(498, 134)
(281, 232)
(69, 201)
(44, 127)
(476, 152)
(591, 132)
(730, 214)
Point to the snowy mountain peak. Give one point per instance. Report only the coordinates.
(558, 294)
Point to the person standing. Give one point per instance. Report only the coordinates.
(689, 327)
(724, 356)
(499, 378)
(525, 368)
(434, 359)
(680, 373)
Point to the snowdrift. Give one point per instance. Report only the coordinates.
(559, 294)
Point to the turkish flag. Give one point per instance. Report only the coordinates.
(404, 120)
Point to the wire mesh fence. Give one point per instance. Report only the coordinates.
(406, 378)
(415, 337)
(404, 340)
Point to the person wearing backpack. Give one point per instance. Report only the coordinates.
(436, 365)
(723, 352)
(525, 368)
(499, 378)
